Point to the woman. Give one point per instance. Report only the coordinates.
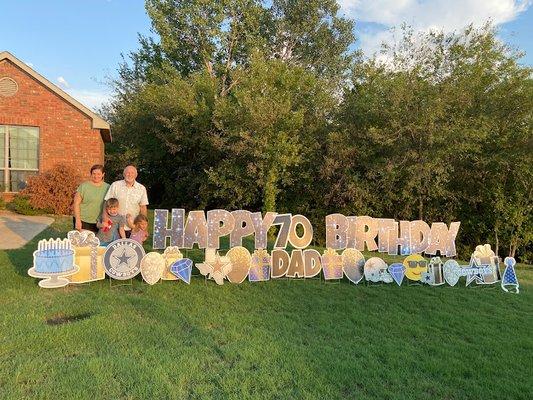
(88, 200)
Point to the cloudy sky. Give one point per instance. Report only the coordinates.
(77, 43)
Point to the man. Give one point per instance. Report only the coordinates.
(131, 195)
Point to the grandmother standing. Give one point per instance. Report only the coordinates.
(89, 199)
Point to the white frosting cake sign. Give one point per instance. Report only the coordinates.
(53, 260)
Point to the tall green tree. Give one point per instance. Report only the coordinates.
(297, 53)
(166, 129)
(265, 129)
(220, 36)
(438, 127)
(246, 103)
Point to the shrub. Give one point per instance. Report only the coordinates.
(53, 190)
(2, 204)
(21, 205)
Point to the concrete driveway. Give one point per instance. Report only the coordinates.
(16, 230)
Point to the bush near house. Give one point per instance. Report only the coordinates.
(21, 205)
(52, 191)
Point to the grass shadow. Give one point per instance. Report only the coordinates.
(61, 318)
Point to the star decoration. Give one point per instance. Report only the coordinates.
(216, 269)
(426, 277)
(123, 259)
(474, 272)
(218, 265)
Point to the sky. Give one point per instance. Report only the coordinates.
(78, 44)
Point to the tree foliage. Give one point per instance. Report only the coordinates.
(249, 104)
(438, 127)
(218, 37)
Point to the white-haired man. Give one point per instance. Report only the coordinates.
(131, 195)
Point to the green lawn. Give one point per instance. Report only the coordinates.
(273, 340)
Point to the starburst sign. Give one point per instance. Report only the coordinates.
(216, 269)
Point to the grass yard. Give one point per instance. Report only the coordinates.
(272, 340)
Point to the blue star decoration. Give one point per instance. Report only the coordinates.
(427, 277)
(123, 259)
(474, 272)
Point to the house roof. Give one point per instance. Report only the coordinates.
(97, 121)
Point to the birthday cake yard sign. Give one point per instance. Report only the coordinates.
(54, 261)
(346, 238)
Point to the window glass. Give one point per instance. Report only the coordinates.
(2, 184)
(19, 179)
(24, 147)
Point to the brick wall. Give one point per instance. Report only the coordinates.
(65, 133)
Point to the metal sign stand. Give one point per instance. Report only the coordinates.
(126, 282)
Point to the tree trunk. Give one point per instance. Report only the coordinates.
(270, 191)
(497, 244)
(420, 207)
(269, 199)
(512, 250)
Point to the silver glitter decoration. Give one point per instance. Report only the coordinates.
(87, 239)
(284, 220)
(336, 231)
(174, 232)
(420, 232)
(243, 227)
(261, 227)
(219, 223)
(442, 239)
(195, 230)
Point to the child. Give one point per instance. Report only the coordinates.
(112, 228)
(139, 228)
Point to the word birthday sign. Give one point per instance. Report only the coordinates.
(381, 234)
(80, 258)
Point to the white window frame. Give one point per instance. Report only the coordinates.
(5, 168)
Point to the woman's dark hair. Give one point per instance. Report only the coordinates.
(97, 166)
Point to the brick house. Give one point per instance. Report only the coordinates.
(41, 126)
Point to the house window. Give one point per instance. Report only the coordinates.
(19, 156)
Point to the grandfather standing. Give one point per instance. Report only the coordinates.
(131, 195)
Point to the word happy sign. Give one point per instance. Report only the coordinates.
(360, 233)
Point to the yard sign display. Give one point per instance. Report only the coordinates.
(346, 238)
